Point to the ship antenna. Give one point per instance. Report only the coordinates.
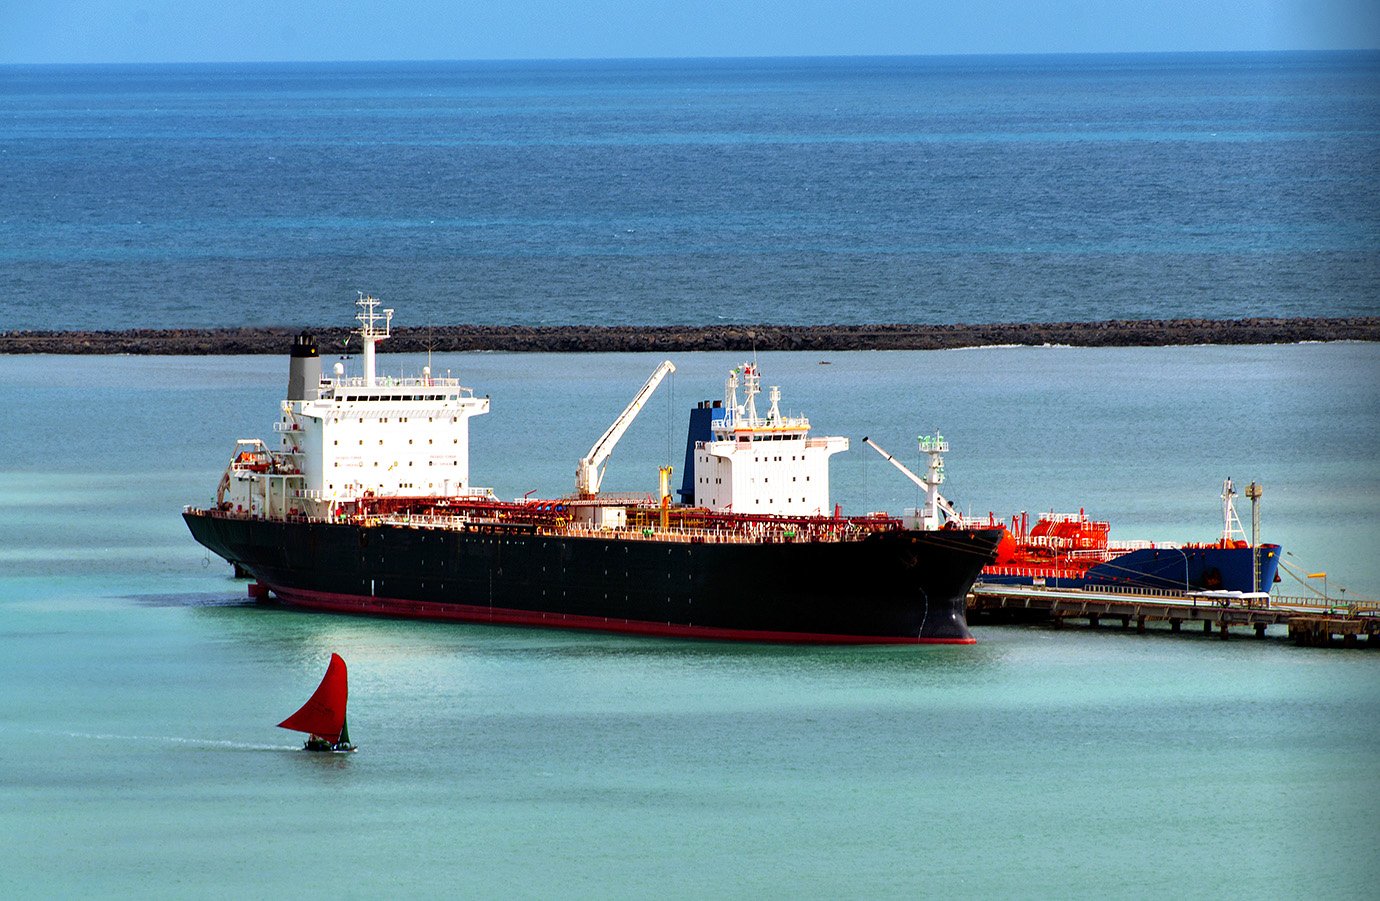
(370, 332)
(430, 346)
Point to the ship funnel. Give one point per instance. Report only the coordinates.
(304, 370)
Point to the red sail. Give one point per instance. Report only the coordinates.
(324, 712)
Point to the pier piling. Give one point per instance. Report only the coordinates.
(1309, 622)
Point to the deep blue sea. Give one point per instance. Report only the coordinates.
(961, 189)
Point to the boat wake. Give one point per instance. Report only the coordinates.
(205, 599)
(171, 739)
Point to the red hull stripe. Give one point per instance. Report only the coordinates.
(375, 606)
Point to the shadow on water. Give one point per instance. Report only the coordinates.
(257, 621)
(206, 599)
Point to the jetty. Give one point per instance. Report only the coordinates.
(1311, 622)
(712, 338)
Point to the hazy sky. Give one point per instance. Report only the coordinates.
(42, 31)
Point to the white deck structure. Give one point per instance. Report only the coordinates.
(762, 464)
(344, 437)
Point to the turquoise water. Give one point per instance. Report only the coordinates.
(138, 689)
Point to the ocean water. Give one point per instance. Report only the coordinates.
(967, 189)
(138, 687)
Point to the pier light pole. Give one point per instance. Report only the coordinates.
(1254, 491)
(1185, 556)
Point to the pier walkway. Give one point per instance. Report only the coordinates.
(1310, 621)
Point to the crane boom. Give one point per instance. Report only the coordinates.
(589, 472)
(898, 464)
(934, 501)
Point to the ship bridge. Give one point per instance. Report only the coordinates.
(344, 437)
(761, 464)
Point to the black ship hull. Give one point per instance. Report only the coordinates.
(894, 586)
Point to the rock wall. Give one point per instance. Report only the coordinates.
(665, 339)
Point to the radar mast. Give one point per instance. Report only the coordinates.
(370, 332)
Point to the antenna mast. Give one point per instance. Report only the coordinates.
(369, 331)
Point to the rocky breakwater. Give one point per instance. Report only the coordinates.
(661, 339)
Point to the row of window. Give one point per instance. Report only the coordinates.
(409, 441)
(331, 486)
(336, 419)
(349, 398)
(776, 459)
(409, 463)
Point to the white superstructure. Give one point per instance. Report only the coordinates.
(762, 464)
(344, 437)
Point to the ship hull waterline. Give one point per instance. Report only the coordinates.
(893, 587)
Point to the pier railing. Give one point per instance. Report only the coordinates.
(1178, 597)
(1310, 620)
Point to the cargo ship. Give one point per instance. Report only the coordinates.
(366, 507)
(1073, 550)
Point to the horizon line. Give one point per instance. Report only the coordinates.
(709, 58)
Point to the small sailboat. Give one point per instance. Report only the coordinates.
(323, 716)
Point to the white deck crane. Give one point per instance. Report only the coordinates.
(589, 472)
(934, 501)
